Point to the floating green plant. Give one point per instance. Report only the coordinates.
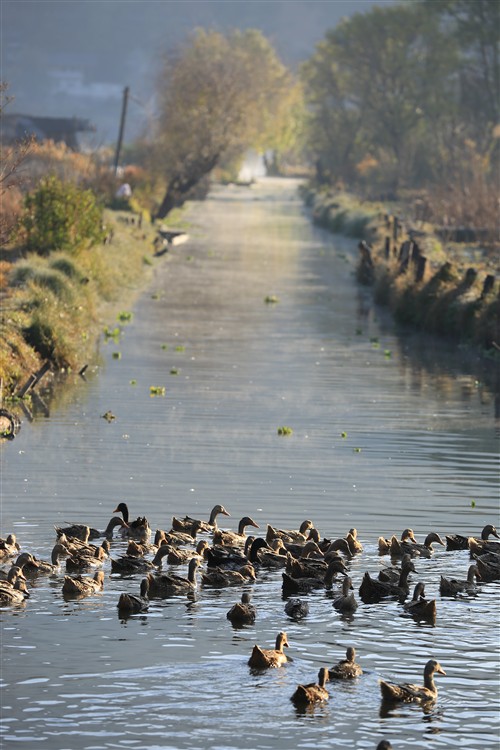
(147, 260)
(174, 371)
(180, 348)
(164, 347)
(133, 382)
(156, 295)
(472, 503)
(357, 450)
(387, 353)
(285, 430)
(374, 340)
(156, 390)
(117, 355)
(359, 331)
(112, 333)
(271, 299)
(124, 316)
(343, 434)
(108, 416)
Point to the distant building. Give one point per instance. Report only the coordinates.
(59, 129)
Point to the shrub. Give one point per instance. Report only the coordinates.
(60, 216)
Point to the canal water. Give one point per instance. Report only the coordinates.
(255, 323)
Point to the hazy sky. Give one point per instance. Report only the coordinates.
(74, 57)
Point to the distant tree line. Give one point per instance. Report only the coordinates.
(406, 95)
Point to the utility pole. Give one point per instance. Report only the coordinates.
(122, 128)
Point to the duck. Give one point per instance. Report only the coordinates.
(408, 693)
(391, 574)
(457, 541)
(164, 585)
(242, 612)
(85, 561)
(346, 603)
(372, 590)
(178, 538)
(304, 585)
(426, 549)
(419, 607)
(384, 545)
(138, 529)
(9, 576)
(290, 536)
(263, 658)
(296, 608)
(33, 566)
(15, 593)
(454, 586)
(353, 542)
(176, 556)
(86, 533)
(185, 524)
(337, 546)
(275, 556)
(129, 565)
(348, 668)
(313, 692)
(234, 537)
(132, 604)
(219, 577)
(488, 566)
(480, 546)
(221, 556)
(384, 745)
(83, 586)
(9, 547)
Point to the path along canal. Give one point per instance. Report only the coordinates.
(389, 432)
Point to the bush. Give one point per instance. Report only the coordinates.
(60, 216)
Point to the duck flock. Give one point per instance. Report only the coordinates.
(222, 558)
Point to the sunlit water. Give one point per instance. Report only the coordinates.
(389, 431)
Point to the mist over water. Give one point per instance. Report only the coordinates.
(389, 431)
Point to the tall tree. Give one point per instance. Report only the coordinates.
(222, 94)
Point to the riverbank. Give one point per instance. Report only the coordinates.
(448, 289)
(55, 308)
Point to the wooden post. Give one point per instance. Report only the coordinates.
(395, 228)
(421, 262)
(122, 128)
(488, 285)
(33, 379)
(387, 248)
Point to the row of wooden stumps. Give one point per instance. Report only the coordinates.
(10, 424)
(409, 256)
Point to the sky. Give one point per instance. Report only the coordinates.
(65, 58)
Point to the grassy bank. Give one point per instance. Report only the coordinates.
(448, 289)
(54, 308)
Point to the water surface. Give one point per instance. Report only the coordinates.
(389, 431)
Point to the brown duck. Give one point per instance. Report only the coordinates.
(408, 693)
(83, 586)
(419, 607)
(263, 658)
(242, 612)
(234, 537)
(457, 541)
(348, 668)
(185, 524)
(314, 692)
(454, 586)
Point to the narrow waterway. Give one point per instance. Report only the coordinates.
(389, 432)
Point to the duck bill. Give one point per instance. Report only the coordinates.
(440, 670)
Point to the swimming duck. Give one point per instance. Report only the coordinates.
(86, 533)
(275, 556)
(32, 566)
(480, 546)
(164, 585)
(419, 607)
(242, 612)
(488, 566)
(262, 658)
(9, 547)
(391, 574)
(304, 585)
(9, 576)
(83, 586)
(346, 603)
(457, 541)
(290, 536)
(296, 608)
(129, 565)
(384, 745)
(176, 556)
(353, 542)
(384, 545)
(85, 561)
(218, 577)
(185, 524)
(408, 693)
(222, 556)
(337, 546)
(426, 549)
(234, 537)
(454, 586)
(138, 529)
(348, 668)
(372, 590)
(14, 593)
(131, 604)
(314, 692)
(178, 538)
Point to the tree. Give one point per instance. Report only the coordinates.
(221, 95)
